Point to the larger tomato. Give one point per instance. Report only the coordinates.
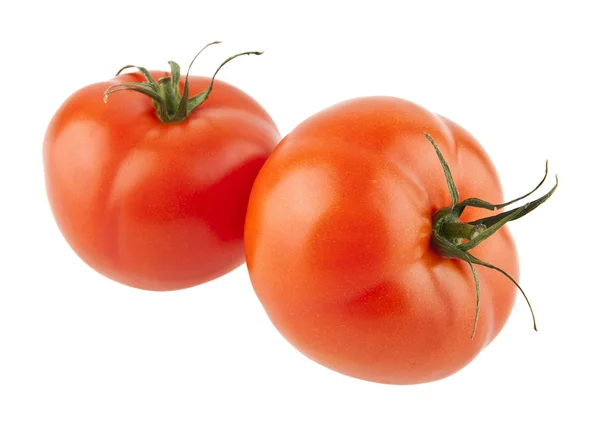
(148, 198)
(339, 243)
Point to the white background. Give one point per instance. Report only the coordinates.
(78, 351)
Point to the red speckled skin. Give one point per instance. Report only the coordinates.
(151, 205)
(338, 243)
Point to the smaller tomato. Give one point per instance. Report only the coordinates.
(151, 189)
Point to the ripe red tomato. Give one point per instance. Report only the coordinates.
(154, 204)
(339, 251)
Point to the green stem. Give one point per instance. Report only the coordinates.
(171, 104)
(452, 238)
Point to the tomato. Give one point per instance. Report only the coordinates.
(339, 243)
(149, 199)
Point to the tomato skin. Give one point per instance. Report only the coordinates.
(151, 205)
(338, 243)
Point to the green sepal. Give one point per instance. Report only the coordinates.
(175, 76)
(478, 203)
(150, 80)
(449, 250)
(143, 88)
(520, 211)
(198, 99)
(491, 266)
(449, 179)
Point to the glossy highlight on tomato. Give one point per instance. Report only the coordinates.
(338, 243)
(149, 203)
